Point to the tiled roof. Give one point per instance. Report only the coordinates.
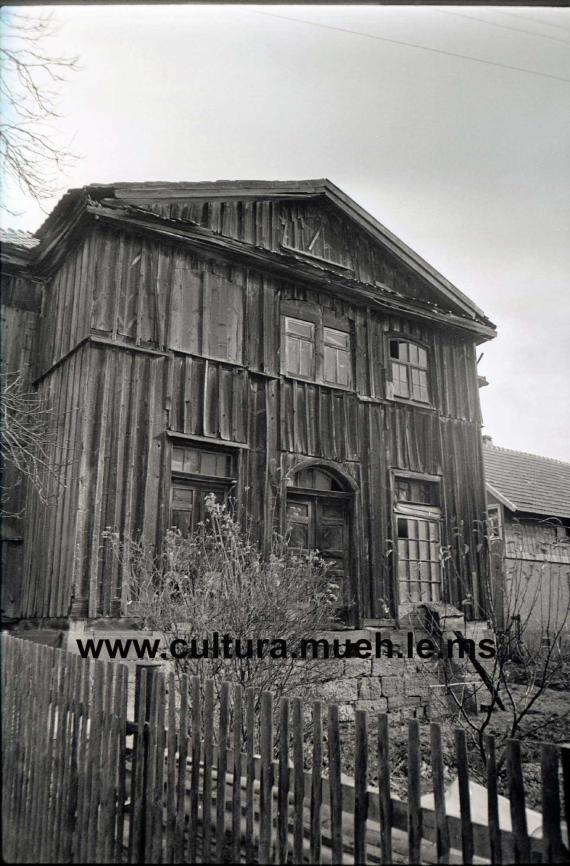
(538, 485)
(18, 238)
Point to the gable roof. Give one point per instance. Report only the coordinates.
(527, 482)
(135, 200)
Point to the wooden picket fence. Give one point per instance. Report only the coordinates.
(185, 782)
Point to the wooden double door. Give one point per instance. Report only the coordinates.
(318, 522)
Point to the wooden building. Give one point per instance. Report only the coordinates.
(268, 340)
(529, 511)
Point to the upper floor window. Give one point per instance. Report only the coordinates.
(300, 347)
(409, 371)
(317, 352)
(337, 366)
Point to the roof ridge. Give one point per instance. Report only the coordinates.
(491, 446)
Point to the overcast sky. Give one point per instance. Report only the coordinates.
(468, 162)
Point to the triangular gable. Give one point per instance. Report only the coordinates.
(313, 219)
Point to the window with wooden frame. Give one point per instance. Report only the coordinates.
(197, 472)
(409, 364)
(417, 519)
(314, 350)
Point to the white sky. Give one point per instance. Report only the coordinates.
(467, 162)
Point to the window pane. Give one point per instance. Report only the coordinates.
(400, 380)
(299, 328)
(338, 339)
(330, 365)
(306, 355)
(178, 459)
(413, 353)
(422, 357)
(192, 460)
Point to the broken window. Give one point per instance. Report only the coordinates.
(418, 526)
(409, 363)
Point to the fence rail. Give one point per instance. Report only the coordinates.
(204, 778)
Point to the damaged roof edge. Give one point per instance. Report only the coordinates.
(268, 189)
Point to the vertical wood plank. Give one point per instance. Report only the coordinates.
(551, 815)
(414, 795)
(283, 786)
(442, 828)
(464, 797)
(493, 803)
(565, 758)
(298, 780)
(517, 798)
(236, 790)
(335, 783)
(384, 785)
(180, 823)
(222, 768)
(136, 813)
(360, 785)
(207, 770)
(266, 778)
(195, 771)
(316, 783)
(171, 776)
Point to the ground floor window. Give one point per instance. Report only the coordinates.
(418, 528)
(196, 473)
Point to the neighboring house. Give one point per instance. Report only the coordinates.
(268, 341)
(529, 511)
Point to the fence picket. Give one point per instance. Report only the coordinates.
(180, 817)
(414, 808)
(266, 779)
(223, 726)
(493, 803)
(237, 773)
(464, 797)
(171, 747)
(316, 783)
(553, 846)
(360, 784)
(384, 785)
(250, 774)
(333, 736)
(283, 783)
(207, 770)
(195, 770)
(442, 843)
(516, 796)
(298, 780)
(137, 813)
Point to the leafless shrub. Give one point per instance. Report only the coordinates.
(217, 580)
(28, 442)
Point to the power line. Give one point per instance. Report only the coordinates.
(503, 26)
(410, 45)
(534, 20)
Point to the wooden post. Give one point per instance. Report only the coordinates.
(298, 780)
(493, 803)
(551, 816)
(316, 783)
(442, 828)
(266, 782)
(335, 783)
(385, 793)
(516, 796)
(414, 807)
(464, 797)
(360, 785)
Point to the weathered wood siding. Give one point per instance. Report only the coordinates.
(160, 318)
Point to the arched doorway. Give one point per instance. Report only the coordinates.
(319, 517)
